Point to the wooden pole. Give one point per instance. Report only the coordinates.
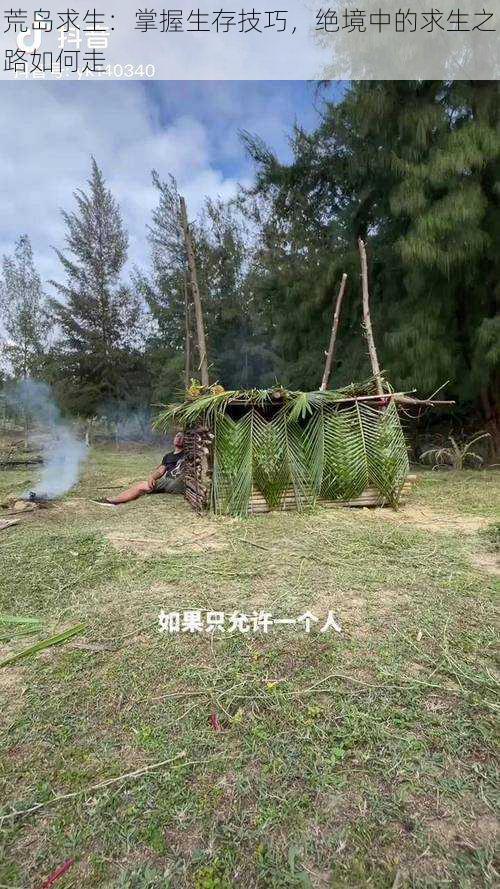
(187, 347)
(195, 292)
(331, 348)
(367, 320)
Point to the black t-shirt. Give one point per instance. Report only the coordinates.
(170, 461)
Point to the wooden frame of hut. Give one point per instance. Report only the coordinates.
(257, 450)
(249, 452)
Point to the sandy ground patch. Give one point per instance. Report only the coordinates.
(489, 562)
(427, 519)
(484, 827)
(179, 540)
(12, 689)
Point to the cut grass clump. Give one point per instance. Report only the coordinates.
(43, 571)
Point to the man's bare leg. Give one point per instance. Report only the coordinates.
(132, 493)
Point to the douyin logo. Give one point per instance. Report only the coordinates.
(23, 40)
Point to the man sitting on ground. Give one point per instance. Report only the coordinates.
(167, 478)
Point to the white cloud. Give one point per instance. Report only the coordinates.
(50, 131)
(187, 128)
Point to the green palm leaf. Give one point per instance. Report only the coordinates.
(292, 443)
(232, 472)
(268, 454)
(271, 472)
(43, 644)
(315, 446)
(345, 469)
(386, 449)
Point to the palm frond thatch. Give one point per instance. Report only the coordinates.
(329, 444)
(299, 404)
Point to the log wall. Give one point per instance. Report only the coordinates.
(370, 497)
(198, 467)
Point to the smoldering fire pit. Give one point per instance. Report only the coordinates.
(33, 497)
(33, 500)
(41, 500)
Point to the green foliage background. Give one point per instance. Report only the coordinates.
(413, 167)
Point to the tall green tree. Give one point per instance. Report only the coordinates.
(238, 357)
(99, 318)
(162, 289)
(413, 166)
(241, 356)
(24, 312)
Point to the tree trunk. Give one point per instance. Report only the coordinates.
(331, 348)
(26, 416)
(367, 320)
(195, 292)
(187, 348)
(491, 415)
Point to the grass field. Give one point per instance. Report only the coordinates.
(365, 758)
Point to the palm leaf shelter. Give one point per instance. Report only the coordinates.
(251, 451)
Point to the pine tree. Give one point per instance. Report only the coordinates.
(238, 356)
(162, 289)
(413, 166)
(98, 317)
(24, 312)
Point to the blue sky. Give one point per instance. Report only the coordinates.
(268, 108)
(187, 128)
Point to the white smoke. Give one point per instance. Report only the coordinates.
(63, 458)
(62, 452)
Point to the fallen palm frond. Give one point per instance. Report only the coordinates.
(16, 621)
(31, 626)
